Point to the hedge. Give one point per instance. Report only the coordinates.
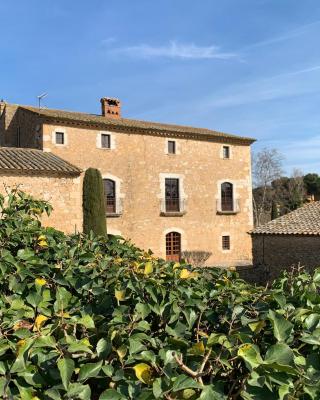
(83, 317)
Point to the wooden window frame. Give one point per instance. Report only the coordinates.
(227, 197)
(110, 201)
(226, 152)
(106, 136)
(172, 202)
(172, 147)
(59, 134)
(173, 246)
(226, 242)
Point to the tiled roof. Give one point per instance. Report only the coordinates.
(133, 125)
(303, 221)
(18, 159)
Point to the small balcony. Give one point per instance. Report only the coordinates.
(114, 207)
(228, 207)
(172, 207)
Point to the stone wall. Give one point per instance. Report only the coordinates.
(138, 163)
(278, 252)
(62, 192)
(20, 128)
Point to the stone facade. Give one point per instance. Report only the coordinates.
(275, 253)
(63, 193)
(139, 163)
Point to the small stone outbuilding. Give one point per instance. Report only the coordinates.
(290, 240)
(48, 177)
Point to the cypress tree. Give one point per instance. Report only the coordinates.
(94, 215)
(274, 210)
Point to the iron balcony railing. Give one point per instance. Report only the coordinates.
(172, 206)
(114, 207)
(228, 207)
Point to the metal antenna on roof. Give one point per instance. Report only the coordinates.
(42, 96)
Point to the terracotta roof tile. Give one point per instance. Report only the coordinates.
(19, 159)
(132, 124)
(303, 221)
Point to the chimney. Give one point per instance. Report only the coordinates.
(110, 107)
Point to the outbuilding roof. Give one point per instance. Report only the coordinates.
(303, 221)
(135, 125)
(22, 159)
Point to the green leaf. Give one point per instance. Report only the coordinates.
(103, 348)
(251, 354)
(281, 327)
(86, 321)
(66, 368)
(184, 382)
(90, 370)
(78, 391)
(111, 394)
(280, 353)
(212, 392)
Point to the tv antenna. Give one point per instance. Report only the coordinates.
(42, 96)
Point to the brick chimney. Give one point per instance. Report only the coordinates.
(110, 107)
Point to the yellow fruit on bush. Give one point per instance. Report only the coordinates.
(148, 269)
(40, 281)
(43, 243)
(144, 373)
(40, 320)
(185, 274)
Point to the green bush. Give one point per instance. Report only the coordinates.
(86, 318)
(94, 214)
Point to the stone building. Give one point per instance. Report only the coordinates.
(48, 177)
(290, 240)
(169, 188)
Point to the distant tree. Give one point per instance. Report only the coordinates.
(274, 210)
(94, 215)
(297, 190)
(267, 167)
(312, 183)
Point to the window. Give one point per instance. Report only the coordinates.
(225, 242)
(172, 195)
(173, 246)
(226, 151)
(105, 141)
(227, 196)
(110, 196)
(171, 147)
(59, 137)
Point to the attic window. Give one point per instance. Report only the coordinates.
(226, 152)
(105, 141)
(59, 137)
(171, 147)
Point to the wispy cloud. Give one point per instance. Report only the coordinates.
(175, 50)
(275, 87)
(291, 34)
(108, 41)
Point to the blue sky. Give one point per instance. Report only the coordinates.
(250, 67)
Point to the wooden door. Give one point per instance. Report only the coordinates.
(173, 246)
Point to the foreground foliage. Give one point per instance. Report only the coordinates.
(86, 318)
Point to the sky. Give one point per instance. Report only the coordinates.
(248, 67)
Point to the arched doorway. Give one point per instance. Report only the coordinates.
(173, 246)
